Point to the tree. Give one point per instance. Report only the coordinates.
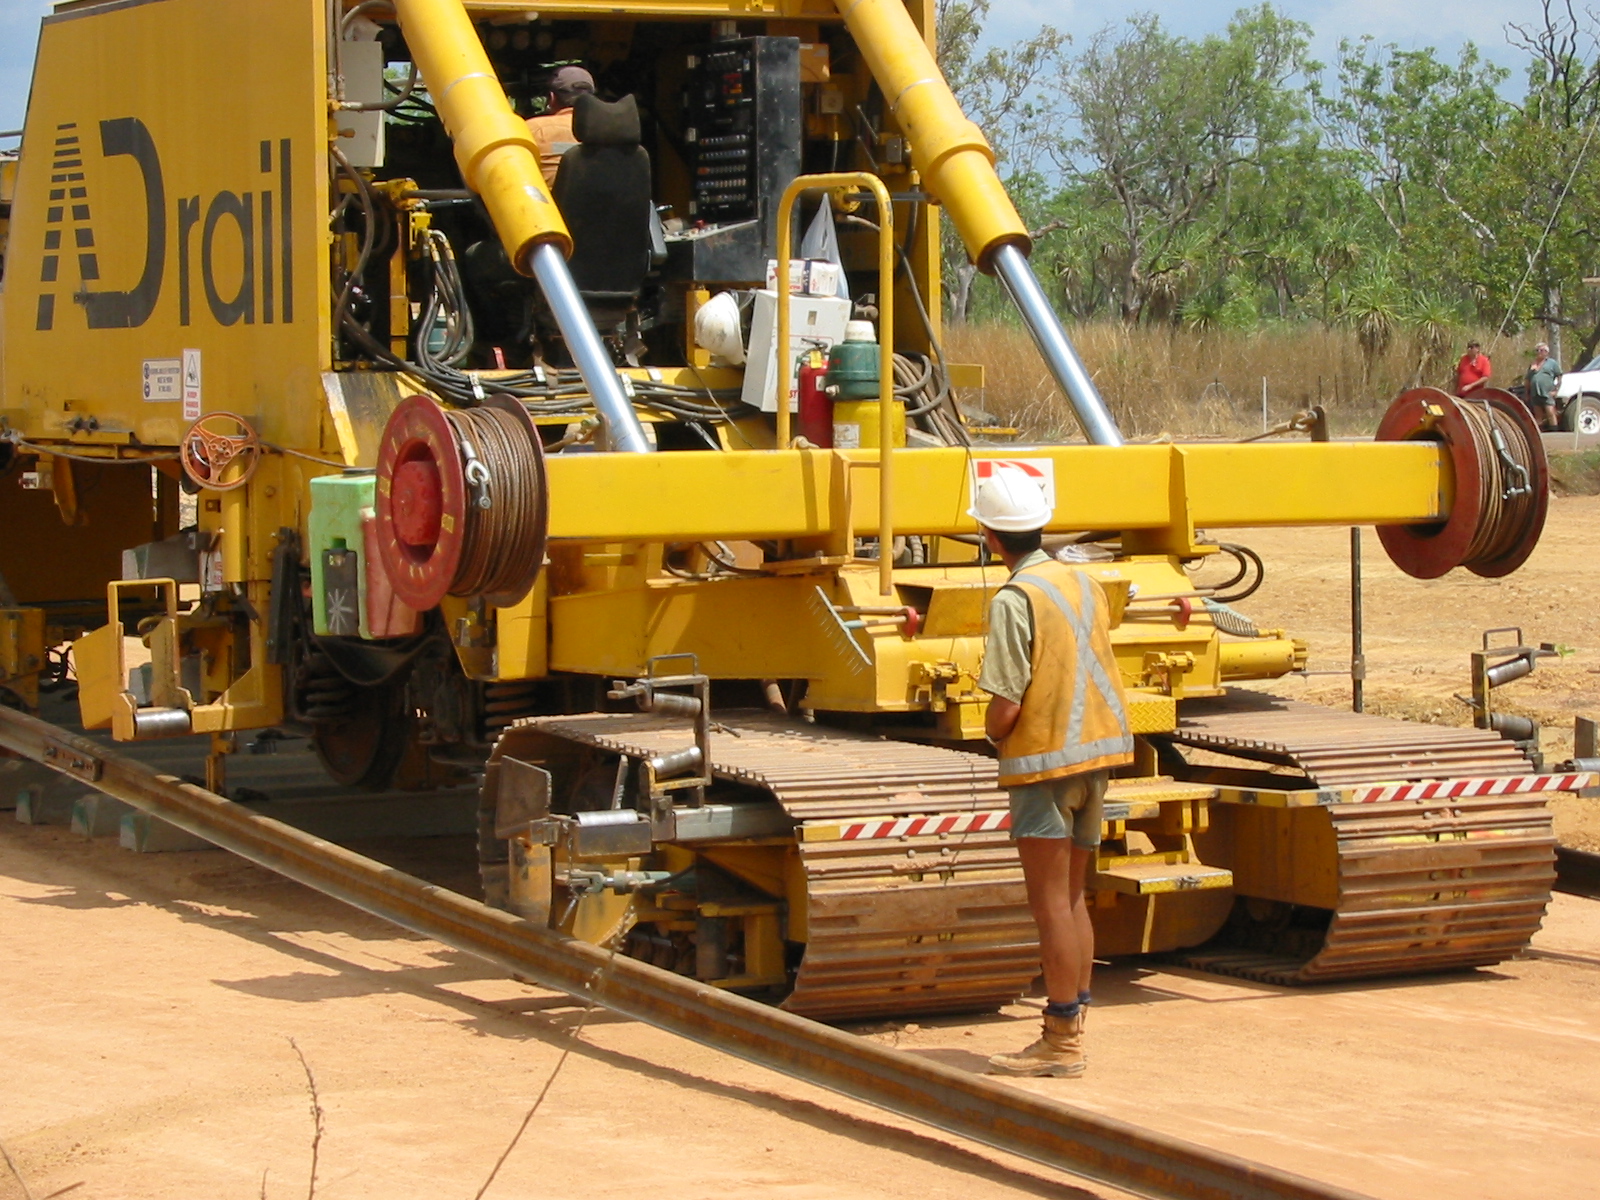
(999, 91)
(1551, 157)
(1415, 129)
(1168, 125)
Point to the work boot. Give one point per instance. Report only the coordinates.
(1058, 1052)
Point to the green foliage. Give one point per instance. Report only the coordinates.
(1219, 181)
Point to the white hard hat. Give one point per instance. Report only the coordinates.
(1009, 500)
(716, 327)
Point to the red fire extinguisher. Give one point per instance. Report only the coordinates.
(816, 407)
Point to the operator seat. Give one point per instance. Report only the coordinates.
(603, 191)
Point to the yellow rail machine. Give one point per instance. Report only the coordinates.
(643, 491)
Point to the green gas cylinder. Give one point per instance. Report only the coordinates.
(852, 381)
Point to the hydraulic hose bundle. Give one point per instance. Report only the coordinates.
(1502, 484)
(548, 391)
(462, 503)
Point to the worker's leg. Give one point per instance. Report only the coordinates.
(1043, 821)
(1078, 872)
(1047, 871)
(1088, 817)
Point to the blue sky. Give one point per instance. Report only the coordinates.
(1441, 23)
(1444, 24)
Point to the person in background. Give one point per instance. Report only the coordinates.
(1059, 719)
(1472, 372)
(1541, 381)
(552, 129)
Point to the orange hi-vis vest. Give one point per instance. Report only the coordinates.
(1074, 715)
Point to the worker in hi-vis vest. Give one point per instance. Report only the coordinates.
(1059, 719)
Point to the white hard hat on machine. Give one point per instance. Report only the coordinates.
(1010, 500)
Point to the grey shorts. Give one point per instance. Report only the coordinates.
(1072, 806)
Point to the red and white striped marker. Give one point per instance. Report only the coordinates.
(996, 820)
(1459, 789)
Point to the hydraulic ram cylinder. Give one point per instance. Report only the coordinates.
(499, 162)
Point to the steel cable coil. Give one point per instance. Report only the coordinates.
(461, 501)
(1493, 456)
(504, 539)
(1505, 487)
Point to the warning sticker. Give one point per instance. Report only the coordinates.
(163, 380)
(1042, 470)
(191, 385)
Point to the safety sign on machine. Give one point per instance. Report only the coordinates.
(163, 380)
(1041, 470)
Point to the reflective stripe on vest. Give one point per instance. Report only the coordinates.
(1115, 746)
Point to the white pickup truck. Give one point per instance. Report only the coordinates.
(1577, 397)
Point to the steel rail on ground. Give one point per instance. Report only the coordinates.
(1006, 1118)
(1577, 872)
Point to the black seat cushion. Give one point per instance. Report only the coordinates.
(604, 194)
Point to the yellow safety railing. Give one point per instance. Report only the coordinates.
(886, 400)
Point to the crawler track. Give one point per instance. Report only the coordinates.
(1440, 882)
(1335, 748)
(1421, 888)
(1000, 1116)
(932, 919)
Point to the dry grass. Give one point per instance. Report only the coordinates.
(1193, 384)
(1575, 474)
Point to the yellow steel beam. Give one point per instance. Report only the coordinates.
(743, 10)
(690, 496)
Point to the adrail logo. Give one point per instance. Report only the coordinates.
(262, 221)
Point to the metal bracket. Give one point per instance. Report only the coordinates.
(671, 772)
(70, 760)
(1494, 666)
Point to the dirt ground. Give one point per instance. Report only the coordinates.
(153, 1006)
(1419, 634)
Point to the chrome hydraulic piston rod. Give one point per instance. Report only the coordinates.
(1017, 276)
(623, 430)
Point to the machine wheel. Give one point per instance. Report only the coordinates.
(1582, 415)
(364, 748)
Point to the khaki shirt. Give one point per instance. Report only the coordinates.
(552, 133)
(1008, 650)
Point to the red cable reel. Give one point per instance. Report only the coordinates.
(441, 500)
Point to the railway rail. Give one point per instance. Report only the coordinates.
(1577, 872)
(1084, 1144)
